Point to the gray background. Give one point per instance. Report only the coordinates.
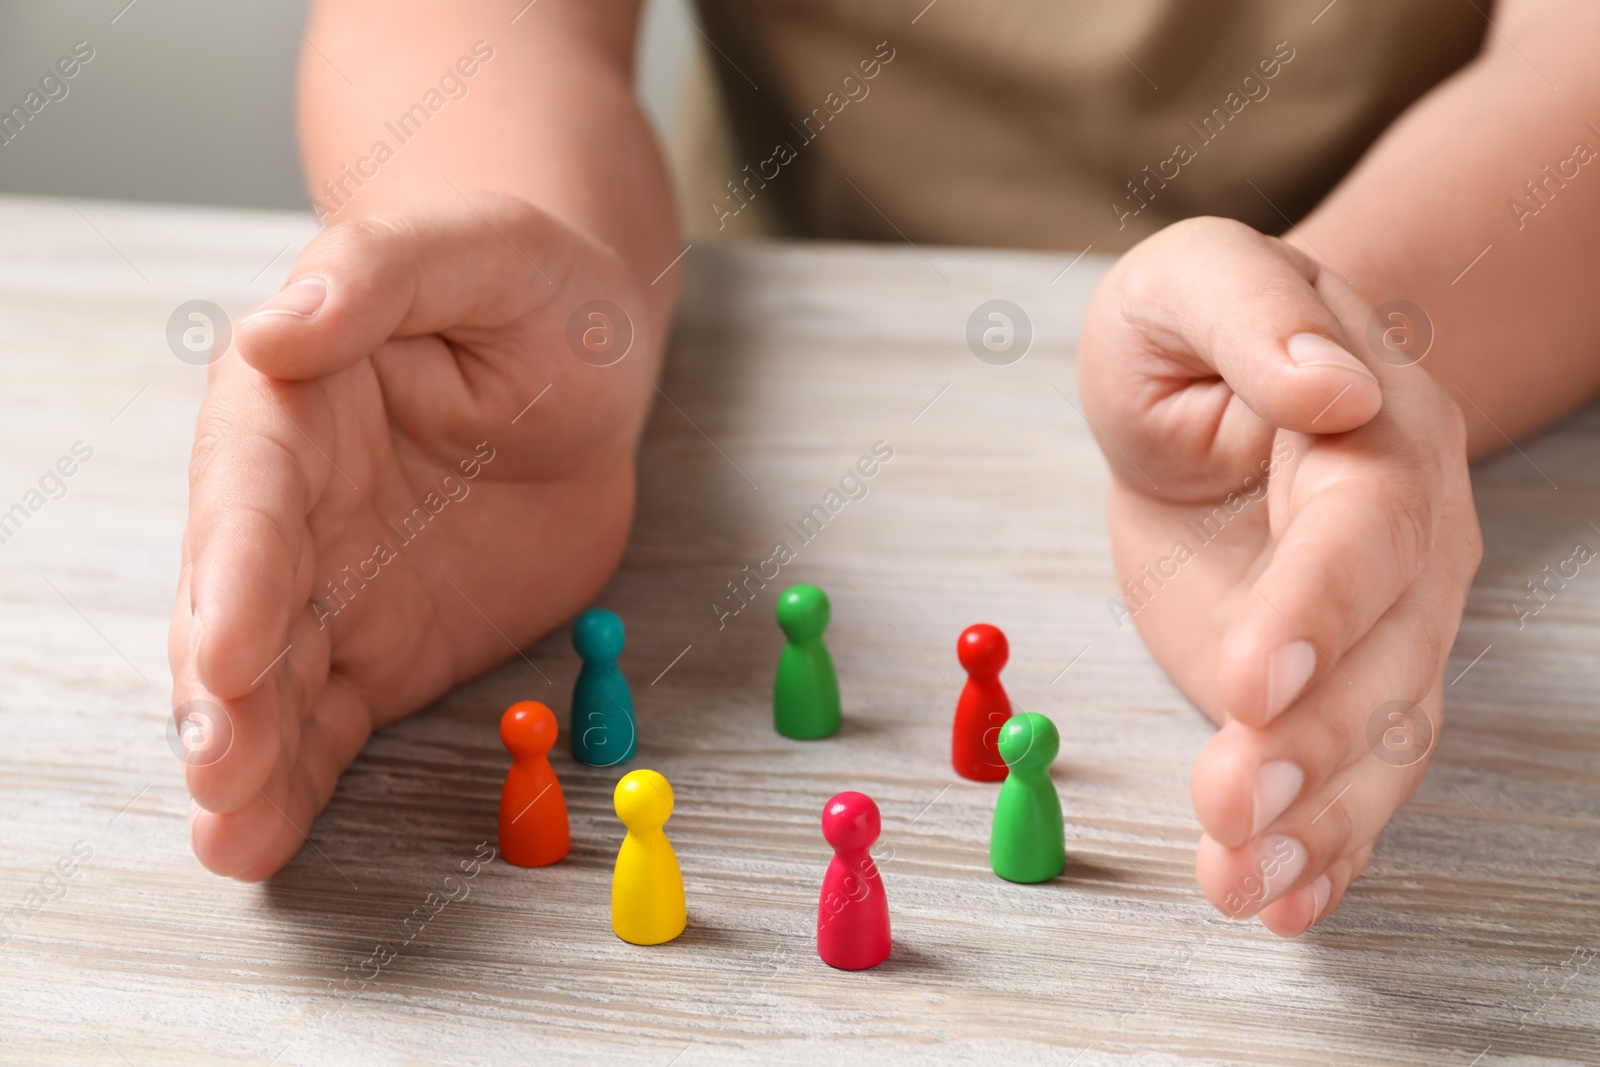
(192, 100)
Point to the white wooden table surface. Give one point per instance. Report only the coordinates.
(1470, 939)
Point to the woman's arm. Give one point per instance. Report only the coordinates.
(1517, 339)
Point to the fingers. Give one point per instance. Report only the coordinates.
(260, 836)
(1330, 817)
(1289, 802)
(241, 640)
(482, 260)
(1286, 804)
(1248, 779)
(1353, 544)
(1347, 554)
(259, 728)
(1329, 824)
(249, 551)
(1294, 914)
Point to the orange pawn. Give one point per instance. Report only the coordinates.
(533, 810)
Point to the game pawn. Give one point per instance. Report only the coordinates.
(1028, 842)
(533, 811)
(602, 730)
(647, 904)
(853, 917)
(983, 707)
(805, 700)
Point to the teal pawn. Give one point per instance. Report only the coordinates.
(805, 695)
(602, 729)
(1029, 840)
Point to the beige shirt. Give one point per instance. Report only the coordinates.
(1051, 123)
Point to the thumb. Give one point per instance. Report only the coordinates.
(482, 263)
(1211, 298)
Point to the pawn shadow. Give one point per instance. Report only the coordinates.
(1081, 871)
(907, 960)
(861, 724)
(702, 935)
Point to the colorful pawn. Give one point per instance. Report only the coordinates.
(1029, 840)
(983, 707)
(853, 917)
(805, 697)
(602, 730)
(647, 905)
(533, 811)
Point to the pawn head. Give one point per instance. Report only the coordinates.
(982, 649)
(803, 612)
(528, 729)
(643, 800)
(850, 822)
(1028, 741)
(598, 634)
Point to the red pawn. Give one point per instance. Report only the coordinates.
(983, 707)
(853, 918)
(533, 810)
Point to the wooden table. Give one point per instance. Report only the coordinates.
(1469, 940)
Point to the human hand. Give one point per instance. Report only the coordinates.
(1328, 538)
(378, 432)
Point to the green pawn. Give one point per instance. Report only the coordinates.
(805, 696)
(1029, 841)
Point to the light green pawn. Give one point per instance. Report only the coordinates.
(1029, 841)
(805, 695)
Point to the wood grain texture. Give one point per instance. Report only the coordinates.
(1468, 941)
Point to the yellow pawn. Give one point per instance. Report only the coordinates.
(647, 905)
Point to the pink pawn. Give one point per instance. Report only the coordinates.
(853, 918)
